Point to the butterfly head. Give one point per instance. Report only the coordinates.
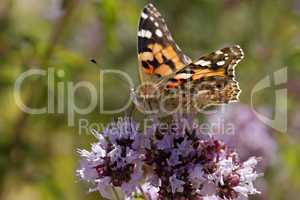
(146, 97)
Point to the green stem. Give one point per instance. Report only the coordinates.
(115, 193)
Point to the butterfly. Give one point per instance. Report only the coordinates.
(171, 81)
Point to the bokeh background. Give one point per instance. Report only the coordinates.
(38, 152)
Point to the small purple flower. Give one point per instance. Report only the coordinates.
(116, 160)
(176, 184)
(196, 175)
(150, 191)
(174, 158)
(166, 143)
(235, 179)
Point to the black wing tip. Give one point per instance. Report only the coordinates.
(239, 51)
(148, 10)
(150, 6)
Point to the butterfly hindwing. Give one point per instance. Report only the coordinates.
(158, 54)
(209, 80)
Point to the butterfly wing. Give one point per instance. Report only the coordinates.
(158, 54)
(224, 59)
(210, 80)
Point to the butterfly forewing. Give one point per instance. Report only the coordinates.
(158, 54)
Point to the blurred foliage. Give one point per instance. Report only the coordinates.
(38, 152)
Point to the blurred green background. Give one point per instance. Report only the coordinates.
(38, 152)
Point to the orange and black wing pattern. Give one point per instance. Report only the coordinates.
(158, 54)
(211, 78)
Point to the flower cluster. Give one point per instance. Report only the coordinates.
(172, 163)
(115, 160)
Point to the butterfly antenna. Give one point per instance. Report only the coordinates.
(130, 111)
(93, 61)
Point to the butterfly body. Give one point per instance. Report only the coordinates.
(171, 81)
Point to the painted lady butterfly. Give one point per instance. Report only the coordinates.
(171, 81)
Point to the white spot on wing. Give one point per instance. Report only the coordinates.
(203, 63)
(152, 18)
(145, 34)
(148, 34)
(159, 33)
(144, 15)
(220, 63)
(165, 28)
(187, 60)
(156, 24)
(183, 76)
(219, 52)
